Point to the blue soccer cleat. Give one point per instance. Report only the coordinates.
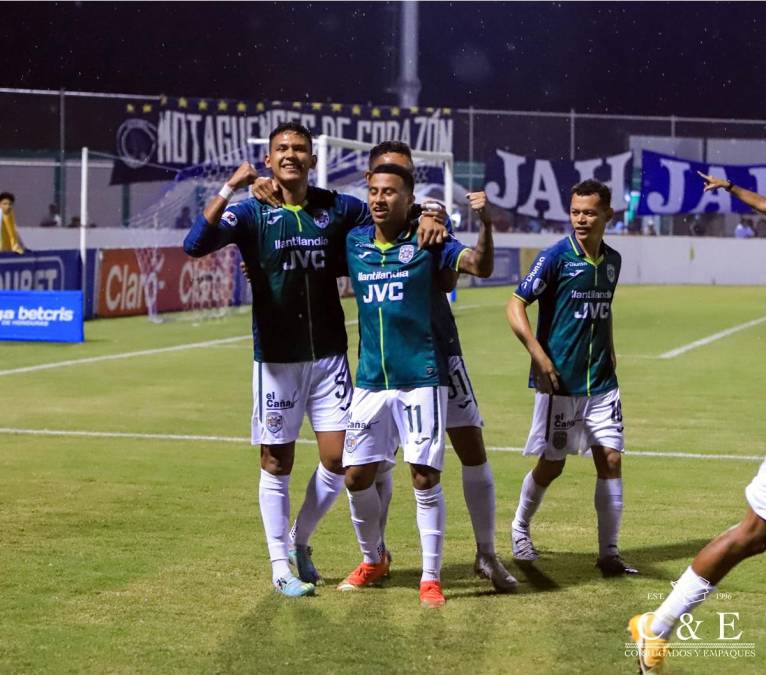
(300, 558)
(293, 587)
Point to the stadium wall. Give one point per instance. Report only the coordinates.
(645, 260)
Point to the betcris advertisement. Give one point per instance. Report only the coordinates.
(42, 316)
(54, 270)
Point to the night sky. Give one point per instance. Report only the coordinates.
(691, 59)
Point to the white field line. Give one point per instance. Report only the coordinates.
(711, 338)
(9, 431)
(150, 352)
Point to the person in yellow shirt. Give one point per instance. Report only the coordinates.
(9, 238)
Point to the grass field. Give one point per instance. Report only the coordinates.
(137, 554)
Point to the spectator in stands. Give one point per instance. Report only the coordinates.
(184, 221)
(52, 218)
(9, 238)
(75, 222)
(744, 230)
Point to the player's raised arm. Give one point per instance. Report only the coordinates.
(479, 260)
(215, 227)
(244, 175)
(752, 199)
(546, 376)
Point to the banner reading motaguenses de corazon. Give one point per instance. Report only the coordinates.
(155, 141)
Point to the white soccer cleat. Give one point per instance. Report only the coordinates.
(523, 548)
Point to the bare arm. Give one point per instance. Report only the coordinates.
(546, 376)
(752, 199)
(480, 260)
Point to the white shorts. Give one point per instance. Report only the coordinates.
(756, 492)
(284, 392)
(383, 420)
(564, 425)
(462, 407)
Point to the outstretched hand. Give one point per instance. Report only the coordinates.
(713, 183)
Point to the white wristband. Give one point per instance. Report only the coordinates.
(226, 191)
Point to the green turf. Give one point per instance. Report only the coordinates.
(133, 555)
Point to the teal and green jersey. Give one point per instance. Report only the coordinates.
(396, 289)
(574, 322)
(294, 254)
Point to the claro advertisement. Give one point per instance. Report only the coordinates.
(155, 280)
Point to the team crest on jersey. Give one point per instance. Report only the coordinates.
(322, 219)
(559, 440)
(274, 422)
(538, 286)
(351, 443)
(406, 253)
(230, 218)
(611, 273)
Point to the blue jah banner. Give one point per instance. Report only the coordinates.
(540, 188)
(41, 316)
(671, 185)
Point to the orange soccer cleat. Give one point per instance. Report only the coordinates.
(366, 574)
(431, 595)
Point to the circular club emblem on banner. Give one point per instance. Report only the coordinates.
(611, 273)
(406, 253)
(136, 142)
(322, 219)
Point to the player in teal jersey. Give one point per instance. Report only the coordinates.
(400, 394)
(298, 334)
(577, 403)
(463, 419)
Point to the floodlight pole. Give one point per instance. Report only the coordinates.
(84, 223)
(408, 86)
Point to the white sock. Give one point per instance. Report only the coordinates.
(274, 500)
(479, 493)
(431, 513)
(688, 592)
(529, 500)
(384, 484)
(365, 515)
(322, 490)
(608, 502)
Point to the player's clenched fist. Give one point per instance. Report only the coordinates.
(243, 176)
(478, 203)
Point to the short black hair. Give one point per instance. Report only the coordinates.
(405, 175)
(291, 126)
(7, 195)
(397, 147)
(594, 187)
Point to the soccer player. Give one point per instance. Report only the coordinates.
(400, 395)
(577, 400)
(299, 337)
(464, 421)
(651, 631)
